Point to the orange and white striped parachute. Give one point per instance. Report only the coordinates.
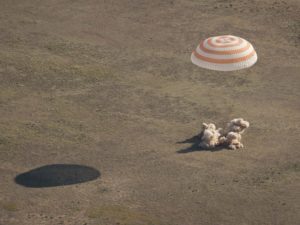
(224, 53)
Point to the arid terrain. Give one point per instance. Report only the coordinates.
(109, 85)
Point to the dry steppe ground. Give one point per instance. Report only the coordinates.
(109, 84)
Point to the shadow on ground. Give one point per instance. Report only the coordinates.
(195, 141)
(57, 175)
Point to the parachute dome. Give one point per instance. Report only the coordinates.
(224, 53)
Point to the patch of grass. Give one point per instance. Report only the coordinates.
(9, 206)
(7, 94)
(121, 215)
(47, 132)
(42, 71)
(293, 167)
(3, 141)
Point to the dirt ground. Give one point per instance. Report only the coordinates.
(109, 84)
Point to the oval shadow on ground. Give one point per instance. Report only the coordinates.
(57, 175)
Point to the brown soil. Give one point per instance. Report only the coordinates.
(109, 84)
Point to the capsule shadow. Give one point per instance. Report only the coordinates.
(57, 175)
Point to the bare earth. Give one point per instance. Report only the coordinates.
(109, 84)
